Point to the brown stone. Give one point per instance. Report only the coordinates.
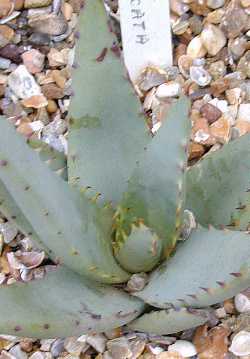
(36, 3)
(25, 129)
(201, 132)
(5, 7)
(67, 11)
(234, 20)
(196, 150)
(2, 90)
(36, 101)
(76, 5)
(243, 127)
(33, 60)
(229, 306)
(210, 112)
(51, 24)
(18, 4)
(26, 345)
(52, 91)
(219, 86)
(220, 130)
(52, 106)
(211, 344)
(6, 35)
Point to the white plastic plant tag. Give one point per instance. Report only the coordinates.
(146, 34)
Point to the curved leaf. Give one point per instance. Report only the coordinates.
(77, 232)
(218, 187)
(107, 131)
(209, 267)
(169, 321)
(41, 308)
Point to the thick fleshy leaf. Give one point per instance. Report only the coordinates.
(56, 160)
(169, 321)
(12, 212)
(208, 268)
(107, 131)
(63, 304)
(140, 251)
(218, 187)
(77, 232)
(156, 191)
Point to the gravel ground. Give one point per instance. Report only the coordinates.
(211, 65)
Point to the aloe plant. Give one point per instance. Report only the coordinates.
(115, 206)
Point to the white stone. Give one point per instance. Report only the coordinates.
(22, 83)
(184, 348)
(171, 89)
(98, 342)
(200, 76)
(242, 303)
(244, 112)
(9, 231)
(222, 105)
(213, 39)
(195, 48)
(17, 352)
(241, 344)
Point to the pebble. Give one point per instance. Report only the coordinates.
(50, 24)
(184, 348)
(237, 47)
(210, 112)
(200, 76)
(56, 58)
(119, 348)
(215, 4)
(233, 96)
(4, 63)
(75, 347)
(241, 344)
(211, 344)
(22, 83)
(242, 127)
(52, 91)
(234, 20)
(196, 150)
(18, 352)
(220, 130)
(217, 69)
(39, 39)
(137, 282)
(196, 48)
(244, 112)
(188, 224)
(5, 8)
(36, 3)
(170, 89)
(6, 35)
(56, 347)
(33, 61)
(245, 3)
(59, 79)
(97, 341)
(201, 132)
(37, 101)
(242, 303)
(52, 106)
(12, 52)
(9, 231)
(26, 345)
(213, 39)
